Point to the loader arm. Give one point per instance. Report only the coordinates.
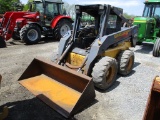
(67, 41)
(121, 16)
(9, 28)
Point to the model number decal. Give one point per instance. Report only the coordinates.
(125, 33)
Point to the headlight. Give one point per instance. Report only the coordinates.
(37, 17)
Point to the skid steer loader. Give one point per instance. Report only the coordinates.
(95, 52)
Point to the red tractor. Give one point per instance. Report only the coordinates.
(44, 17)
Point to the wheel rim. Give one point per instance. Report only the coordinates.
(65, 28)
(32, 35)
(110, 75)
(130, 63)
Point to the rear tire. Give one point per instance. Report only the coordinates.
(15, 36)
(156, 48)
(30, 34)
(104, 73)
(125, 62)
(2, 43)
(61, 28)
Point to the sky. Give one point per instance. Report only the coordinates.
(134, 7)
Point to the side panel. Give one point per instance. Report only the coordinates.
(57, 19)
(113, 52)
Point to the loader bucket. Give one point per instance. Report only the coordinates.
(152, 111)
(64, 90)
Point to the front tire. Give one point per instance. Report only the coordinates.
(30, 34)
(104, 73)
(156, 48)
(61, 28)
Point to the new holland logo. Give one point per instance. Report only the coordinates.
(122, 34)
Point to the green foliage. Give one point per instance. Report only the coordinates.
(26, 6)
(128, 16)
(9, 5)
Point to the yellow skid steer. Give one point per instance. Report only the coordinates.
(89, 56)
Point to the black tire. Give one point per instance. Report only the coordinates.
(27, 32)
(59, 27)
(125, 62)
(104, 73)
(156, 48)
(2, 43)
(15, 36)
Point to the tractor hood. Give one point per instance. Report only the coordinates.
(145, 25)
(144, 20)
(32, 15)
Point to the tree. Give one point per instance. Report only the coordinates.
(9, 5)
(26, 6)
(128, 16)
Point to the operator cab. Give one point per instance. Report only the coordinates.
(103, 22)
(48, 9)
(152, 10)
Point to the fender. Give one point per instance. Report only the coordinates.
(29, 23)
(58, 18)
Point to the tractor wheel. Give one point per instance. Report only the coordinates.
(30, 34)
(156, 48)
(15, 36)
(125, 62)
(104, 73)
(2, 43)
(61, 28)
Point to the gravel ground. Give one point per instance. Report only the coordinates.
(125, 100)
